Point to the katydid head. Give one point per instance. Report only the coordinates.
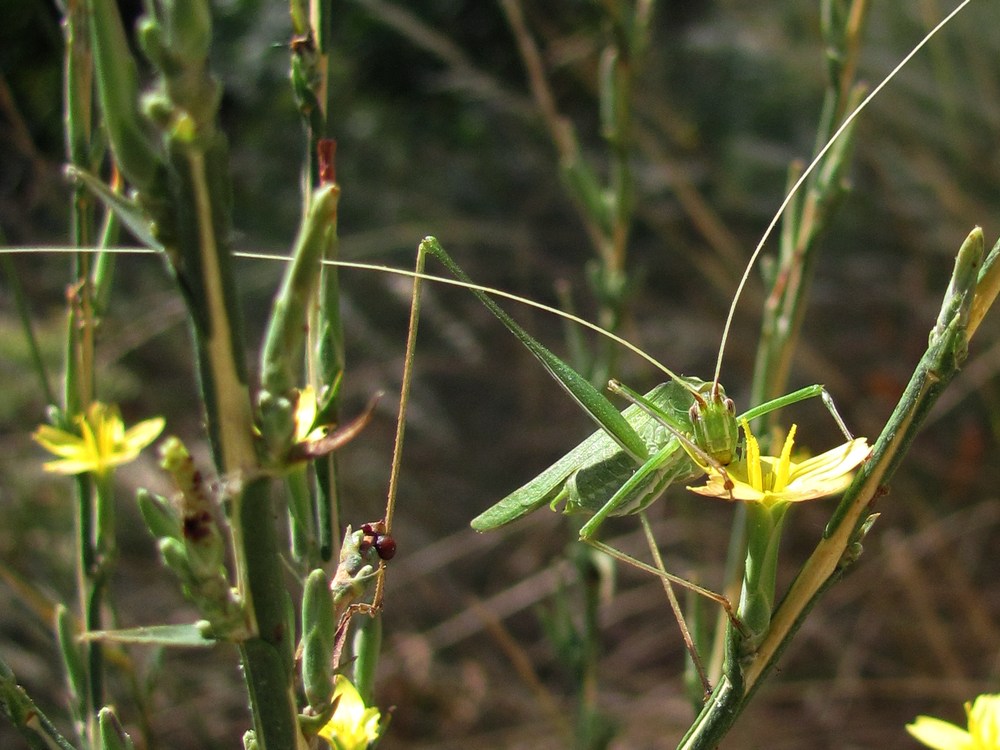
(713, 421)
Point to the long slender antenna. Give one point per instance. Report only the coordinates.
(809, 170)
(380, 268)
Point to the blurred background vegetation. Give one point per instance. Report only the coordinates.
(437, 134)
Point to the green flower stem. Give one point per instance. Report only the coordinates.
(104, 528)
(840, 544)
(97, 533)
(764, 524)
(89, 592)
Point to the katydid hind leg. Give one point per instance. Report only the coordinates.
(675, 606)
(600, 409)
(628, 559)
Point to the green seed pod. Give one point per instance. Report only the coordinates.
(174, 555)
(189, 28)
(319, 631)
(277, 421)
(118, 89)
(285, 340)
(113, 735)
(149, 34)
(367, 648)
(583, 186)
(286, 335)
(160, 517)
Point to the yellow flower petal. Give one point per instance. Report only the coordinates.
(834, 463)
(940, 735)
(56, 441)
(778, 479)
(101, 444)
(142, 434)
(352, 726)
(305, 413)
(984, 721)
(741, 490)
(983, 733)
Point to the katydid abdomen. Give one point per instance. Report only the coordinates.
(600, 477)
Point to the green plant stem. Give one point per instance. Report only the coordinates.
(840, 545)
(89, 595)
(606, 210)
(808, 216)
(311, 74)
(78, 383)
(267, 658)
(32, 723)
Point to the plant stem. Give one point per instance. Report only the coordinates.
(840, 545)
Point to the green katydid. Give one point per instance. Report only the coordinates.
(673, 433)
(637, 453)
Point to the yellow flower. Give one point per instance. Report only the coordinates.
(983, 734)
(352, 726)
(778, 479)
(102, 442)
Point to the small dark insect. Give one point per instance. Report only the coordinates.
(376, 536)
(385, 545)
